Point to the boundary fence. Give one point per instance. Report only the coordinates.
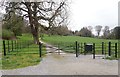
(105, 49)
(10, 46)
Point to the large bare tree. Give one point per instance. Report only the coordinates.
(43, 14)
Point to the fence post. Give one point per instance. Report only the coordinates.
(105, 49)
(93, 50)
(102, 48)
(76, 44)
(4, 47)
(116, 50)
(78, 47)
(40, 49)
(15, 44)
(8, 47)
(84, 49)
(109, 49)
(12, 44)
(81, 48)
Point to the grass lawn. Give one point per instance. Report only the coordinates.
(25, 37)
(27, 56)
(67, 43)
(19, 60)
(51, 39)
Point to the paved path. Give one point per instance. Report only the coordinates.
(68, 64)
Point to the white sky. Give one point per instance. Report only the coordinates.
(93, 12)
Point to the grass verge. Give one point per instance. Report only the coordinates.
(19, 58)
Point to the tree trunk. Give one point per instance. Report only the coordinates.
(36, 38)
(34, 27)
(34, 31)
(35, 22)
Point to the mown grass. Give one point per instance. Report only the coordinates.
(26, 36)
(27, 56)
(22, 58)
(19, 60)
(54, 38)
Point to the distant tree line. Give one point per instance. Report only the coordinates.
(107, 33)
(60, 30)
(86, 32)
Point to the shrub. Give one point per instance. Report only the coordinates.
(7, 34)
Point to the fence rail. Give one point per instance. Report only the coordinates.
(21, 46)
(107, 49)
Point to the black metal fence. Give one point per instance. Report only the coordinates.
(21, 46)
(105, 49)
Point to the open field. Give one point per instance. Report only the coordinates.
(51, 39)
(67, 43)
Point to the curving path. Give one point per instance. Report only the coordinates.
(67, 64)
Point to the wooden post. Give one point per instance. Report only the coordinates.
(40, 49)
(76, 44)
(109, 49)
(4, 47)
(93, 50)
(116, 50)
(102, 48)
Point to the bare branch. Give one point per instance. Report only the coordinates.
(21, 9)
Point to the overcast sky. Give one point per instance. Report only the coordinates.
(93, 12)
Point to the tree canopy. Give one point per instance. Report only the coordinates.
(14, 24)
(43, 14)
